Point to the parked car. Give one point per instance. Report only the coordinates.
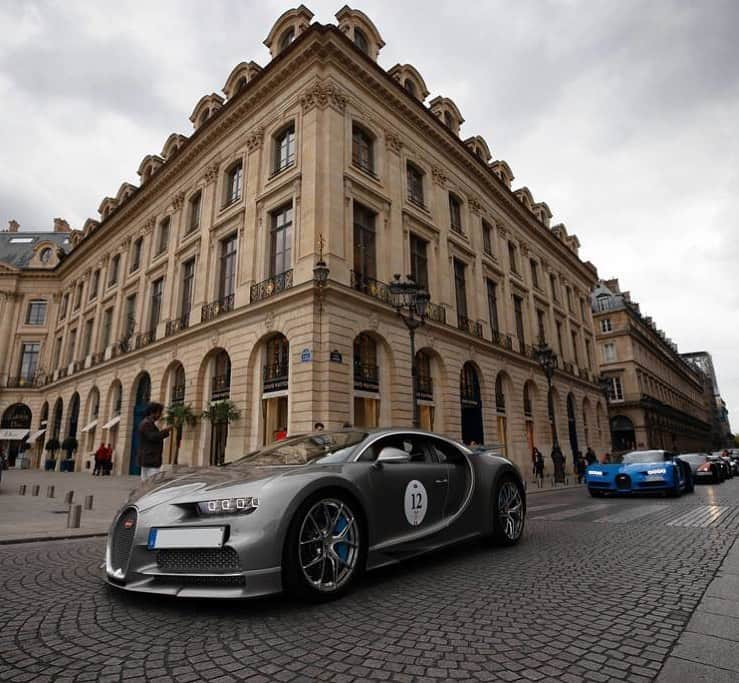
(310, 513)
(641, 471)
(703, 469)
(722, 465)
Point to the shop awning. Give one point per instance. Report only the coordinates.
(92, 425)
(112, 423)
(13, 434)
(36, 435)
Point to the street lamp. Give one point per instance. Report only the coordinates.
(408, 297)
(547, 359)
(605, 386)
(320, 273)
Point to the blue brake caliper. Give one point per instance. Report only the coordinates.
(341, 549)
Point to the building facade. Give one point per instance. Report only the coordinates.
(198, 285)
(656, 399)
(722, 436)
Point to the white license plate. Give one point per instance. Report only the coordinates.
(186, 537)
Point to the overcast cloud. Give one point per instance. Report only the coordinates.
(621, 115)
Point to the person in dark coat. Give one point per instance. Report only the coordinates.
(590, 456)
(558, 459)
(538, 464)
(580, 469)
(151, 441)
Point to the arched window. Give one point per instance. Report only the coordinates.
(56, 427)
(178, 386)
(274, 388)
(74, 416)
(287, 37)
(360, 40)
(221, 382)
(366, 371)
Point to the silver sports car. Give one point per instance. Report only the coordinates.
(310, 513)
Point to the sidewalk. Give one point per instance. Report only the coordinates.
(35, 518)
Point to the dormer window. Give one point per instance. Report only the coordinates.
(287, 37)
(448, 119)
(284, 148)
(241, 84)
(363, 149)
(360, 40)
(204, 117)
(234, 178)
(410, 88)
(45, 255)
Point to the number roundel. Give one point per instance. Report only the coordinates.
(416, 502)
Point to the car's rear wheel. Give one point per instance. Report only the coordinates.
(325, 548)
(509, 511)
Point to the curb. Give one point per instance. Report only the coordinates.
(530, 490)
(60, 537)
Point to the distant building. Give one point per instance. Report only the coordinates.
(722, 435)
(656, 399)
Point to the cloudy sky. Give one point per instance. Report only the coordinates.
(621, 115)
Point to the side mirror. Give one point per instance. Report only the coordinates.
(392, 455)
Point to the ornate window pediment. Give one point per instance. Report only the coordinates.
(503, 171)
(239, 78)
(107, 206)
(411, 80)
(149, 165)
(479, 147)
(444, 109)
(287, 28)
(172, 145)
(361, 30)
(205, 108)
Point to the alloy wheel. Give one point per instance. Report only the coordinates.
(510, 510)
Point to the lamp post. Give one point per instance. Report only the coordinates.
(320, 273)
(410, 302)
(547, 359)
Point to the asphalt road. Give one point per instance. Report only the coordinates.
(598, 589)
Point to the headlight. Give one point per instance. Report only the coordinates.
(661, 470)
(227, 506)
(595, 473)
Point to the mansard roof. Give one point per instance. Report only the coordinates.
(240, 75)
(172, 145)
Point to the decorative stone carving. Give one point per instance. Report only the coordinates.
(269, 321)
(211, 174)
(323, 95)
(393, 142)
(373, 322)
(177, 201)
(255, 139)
(475, 205)
(502, 230)
(215, 340)
(438, 176)
(525, 248)
(149, 225)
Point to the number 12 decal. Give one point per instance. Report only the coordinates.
(416, 502)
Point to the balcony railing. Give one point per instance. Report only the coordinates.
(177, 325)
(220, 387)
(504, 341)
(16, 382)
(271, 286)
(436, 312)
(417, 200)
(473, 327)
(144, 339)
(366, 377)
(212, 310)
(368, 285)
(424, 388)
(275, 377)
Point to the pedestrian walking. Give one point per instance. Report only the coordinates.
(580, 467)
(538, 464)
(590, 456)
(151, 441)
(99, 457)
(558, 459)
(535, 453)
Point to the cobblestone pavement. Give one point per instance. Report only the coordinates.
(597, 590)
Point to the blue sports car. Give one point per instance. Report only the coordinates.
(641, 471)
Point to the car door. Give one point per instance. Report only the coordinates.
(460, 475)
(408, 498)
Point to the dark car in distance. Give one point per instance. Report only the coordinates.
(703, 469)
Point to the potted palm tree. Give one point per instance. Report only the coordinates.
(178, 416)
(51, 447)
(220, 414)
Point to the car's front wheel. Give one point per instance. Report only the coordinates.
(325, 548)
(509, 511)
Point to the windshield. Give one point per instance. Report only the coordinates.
(693, 457)
(638, 457)
(322, 447)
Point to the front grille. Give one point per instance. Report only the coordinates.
(122, 541)
(198, 560)
(651, 484)
(623, 481)
(201, 580)
(598, 485)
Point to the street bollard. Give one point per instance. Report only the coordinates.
(35, 489)
(73, 516)
(49, 491)
(88, 502)
(22, 490)
(69, 497)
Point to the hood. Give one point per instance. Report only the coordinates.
(193, 484)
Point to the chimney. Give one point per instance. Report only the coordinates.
(612, 284)
(60, 225)
(13, 225)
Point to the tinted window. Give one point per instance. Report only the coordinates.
(445, 452)
(645, 457)
(320, 447)
(415, 445)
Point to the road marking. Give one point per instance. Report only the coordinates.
(566, 514)
(631, 515)
(702, 516)
(531, 508)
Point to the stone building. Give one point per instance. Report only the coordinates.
(656, 399)
(721, 436)
(198, 285)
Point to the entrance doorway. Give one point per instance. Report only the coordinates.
(17, 416)
(471, 405)
(572, 424)
(143, 397)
